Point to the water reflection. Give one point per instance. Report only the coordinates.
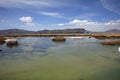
(11, 45)
(42, 45)
(2, 43)
(119, 49)
(59, 42)
(41, 56)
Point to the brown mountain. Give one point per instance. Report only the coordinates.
(113, 31)
(62, 31)
(15, 31)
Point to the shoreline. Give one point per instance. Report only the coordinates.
(96, 35)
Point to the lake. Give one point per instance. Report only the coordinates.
(39, 58)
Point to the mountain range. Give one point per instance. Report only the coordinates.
(113, 31)
(60, 31)
(16, 31)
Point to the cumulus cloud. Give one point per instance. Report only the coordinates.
(83, 23)
(26, 19)
(91, 25)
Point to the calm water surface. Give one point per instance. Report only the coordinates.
(38, 58)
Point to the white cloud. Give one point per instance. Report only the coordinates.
(86, 16)
(83, 23)
(111, 5)
(26, 19)
(30, 24)
(51, 14)
(60, 24)
(23, 3)
(32, 3)
(91, 25)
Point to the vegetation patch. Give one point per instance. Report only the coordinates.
(2, 38)
(11, 44)
(110, 42)
(59, 39)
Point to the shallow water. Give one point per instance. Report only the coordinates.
(38, 58)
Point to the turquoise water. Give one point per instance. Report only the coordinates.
(38, 58)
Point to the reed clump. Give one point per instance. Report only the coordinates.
(59, 39)
(2, 38)
(110, 42)
(11, 44)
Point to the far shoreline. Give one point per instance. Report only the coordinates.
(96, 35)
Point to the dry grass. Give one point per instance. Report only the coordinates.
(110, 42)
(95, 35)
(11, 44)
(105, 36)
(2, 38)
(44, 35)
(59, 39)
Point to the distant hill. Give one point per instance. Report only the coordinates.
(15, 31)
(113, 31)
(62, 31)
(59, 31)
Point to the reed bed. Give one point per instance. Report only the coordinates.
(2, 38)
(59, 39)
(110, 42)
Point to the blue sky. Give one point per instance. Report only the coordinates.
(93, 15)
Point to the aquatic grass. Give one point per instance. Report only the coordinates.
(2, 38)
(59, 39)
(111, 42)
